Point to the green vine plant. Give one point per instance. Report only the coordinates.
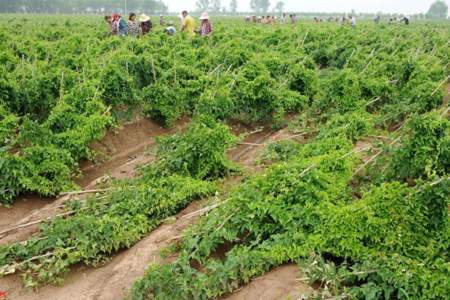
(91, 230)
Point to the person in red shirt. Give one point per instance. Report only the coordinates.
(205, 26)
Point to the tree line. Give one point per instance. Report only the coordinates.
(438, 10)
(80, 6)
(257, 6)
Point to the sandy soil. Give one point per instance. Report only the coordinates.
(279, 284)
(113, 280)
(22, 207)
(120, 153)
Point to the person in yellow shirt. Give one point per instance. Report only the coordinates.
(188, 24)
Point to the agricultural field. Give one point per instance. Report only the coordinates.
(286, 161)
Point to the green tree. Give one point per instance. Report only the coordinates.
(79, 6)
(279, 6)
(260, 6)
(216, 6)
(233, 6)
(438, 10)
(202, 5)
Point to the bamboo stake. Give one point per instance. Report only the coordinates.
(373, 101)
(439, 181)
(440, 85)
(35, 222)
(445, 112)
(374, 157)
(215, 69)
(203, 210)
(272, 142)
(226, 220)
(304, 39)
(365, 68)
(12, 268)
(348, 60)
(153, 70)
(85, 192)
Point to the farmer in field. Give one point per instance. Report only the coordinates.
(119, 25)
(115, 24)
(109, 20)
(188, 24)
(353, 21)
(406, 20)
(170, 30)
(377, 19)
(146, 24)
(205, 26)
(161, 20)
(293, 18)
(133, 26)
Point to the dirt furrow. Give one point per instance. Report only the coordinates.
(280, 283)
(122, 152)
(114, 279)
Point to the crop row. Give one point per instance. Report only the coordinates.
(365, 223)
(64, 82)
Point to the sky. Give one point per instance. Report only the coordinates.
(388, 6)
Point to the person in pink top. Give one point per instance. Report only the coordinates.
(205, 26)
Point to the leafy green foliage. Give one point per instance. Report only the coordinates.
(59, 85)
(342, 92)
(8, 123)
(100, 227)
(216, 102)
(256, 219)
(286, 214)
(117, 86)
(199, 152)
(281, 151)
(424, 151)
(104, 224)
(350, 126)
(162, 104)
(48, 170)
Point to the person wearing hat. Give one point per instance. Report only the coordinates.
(133, 26)
(205, 26)
(120, 26)
(188, 24)
(146, 24)
(115, 24)
(170, 30)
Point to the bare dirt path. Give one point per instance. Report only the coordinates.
(119, 154)
(250, 150)
(279, 284)
(114, 279)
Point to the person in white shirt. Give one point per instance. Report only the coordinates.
(353, 21)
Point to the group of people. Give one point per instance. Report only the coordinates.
(271, 19)
(139, 27)
(404, 19)
(133, 27)
(344, 20)
(292, 18)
